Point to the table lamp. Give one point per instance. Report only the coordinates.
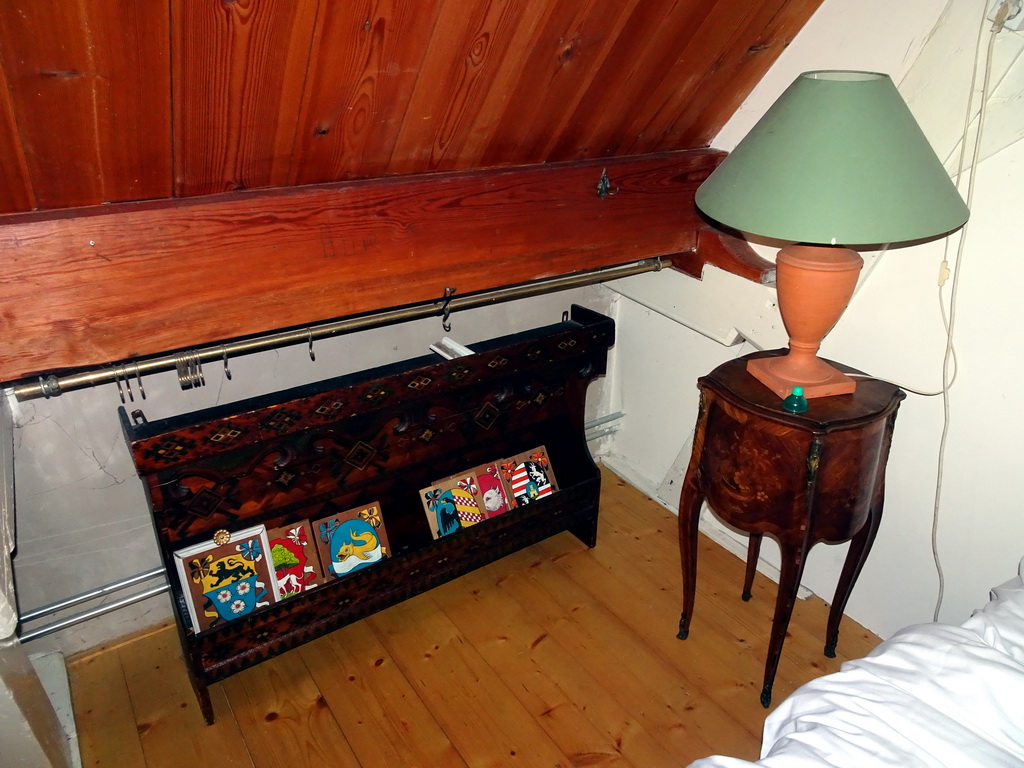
(837, 162)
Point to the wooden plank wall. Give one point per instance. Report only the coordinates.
(107, 101)
(113, 100)
(88, 89)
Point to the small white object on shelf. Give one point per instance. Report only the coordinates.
(449, 349)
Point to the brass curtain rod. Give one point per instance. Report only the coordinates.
(189, 362)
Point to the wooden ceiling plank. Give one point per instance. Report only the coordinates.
(465, 53)
(562, 64)
(518, 40)
(89, 287)
(738, 71)
(90, 91)
(636, 63)
(364, 64)
(239, 72)
(16, 193)
(729, 28)
(272, 93)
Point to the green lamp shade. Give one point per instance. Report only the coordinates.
(837, 160)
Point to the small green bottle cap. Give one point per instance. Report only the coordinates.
(796, 402)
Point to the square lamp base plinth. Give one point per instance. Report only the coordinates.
(835, 382)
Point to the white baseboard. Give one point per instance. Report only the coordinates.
(53, 675)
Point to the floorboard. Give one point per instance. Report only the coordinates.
(557, 655)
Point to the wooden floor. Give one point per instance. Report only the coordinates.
(556, 656)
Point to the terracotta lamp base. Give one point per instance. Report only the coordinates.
(815, 284)
(833, 383)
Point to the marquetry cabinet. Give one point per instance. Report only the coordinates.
(817, 476)
(381, 435)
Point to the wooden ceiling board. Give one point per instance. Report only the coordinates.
(438, 121)
(560, 66)
(684, 86)
(89, 85)
(636, 66)
(365, 62)
(722, 78)
(114, 100)
(463, 59)
(15, 186)
(507, 71)
(239, 73)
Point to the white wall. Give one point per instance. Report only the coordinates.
(892, 328)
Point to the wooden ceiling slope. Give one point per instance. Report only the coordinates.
(117, 100)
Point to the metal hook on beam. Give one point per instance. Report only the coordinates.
(604, 186)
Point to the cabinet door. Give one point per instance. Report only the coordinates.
(754, 470)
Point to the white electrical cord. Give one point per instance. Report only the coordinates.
(950, 355)
(904, 386)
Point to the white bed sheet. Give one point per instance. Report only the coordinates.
(932, 696)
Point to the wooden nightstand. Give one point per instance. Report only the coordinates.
(801, 478)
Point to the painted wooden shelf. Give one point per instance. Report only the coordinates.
(380, 435)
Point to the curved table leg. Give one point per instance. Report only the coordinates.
(793, 558)
(690, 500)
(753, 552)
(691, 497)
(860, 546)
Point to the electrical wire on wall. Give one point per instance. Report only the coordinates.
(949, 321)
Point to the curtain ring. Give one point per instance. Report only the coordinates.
(181, 366)
(190, 369)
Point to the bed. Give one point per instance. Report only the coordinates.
(931, 695)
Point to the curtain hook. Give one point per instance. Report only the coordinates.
(120, 389)
(197, 370)
(446, 309)
(312, 354)
(227, 371)
(127, 383)
(138, 380)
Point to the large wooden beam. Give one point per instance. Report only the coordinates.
(726, 251)
(97, 285)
